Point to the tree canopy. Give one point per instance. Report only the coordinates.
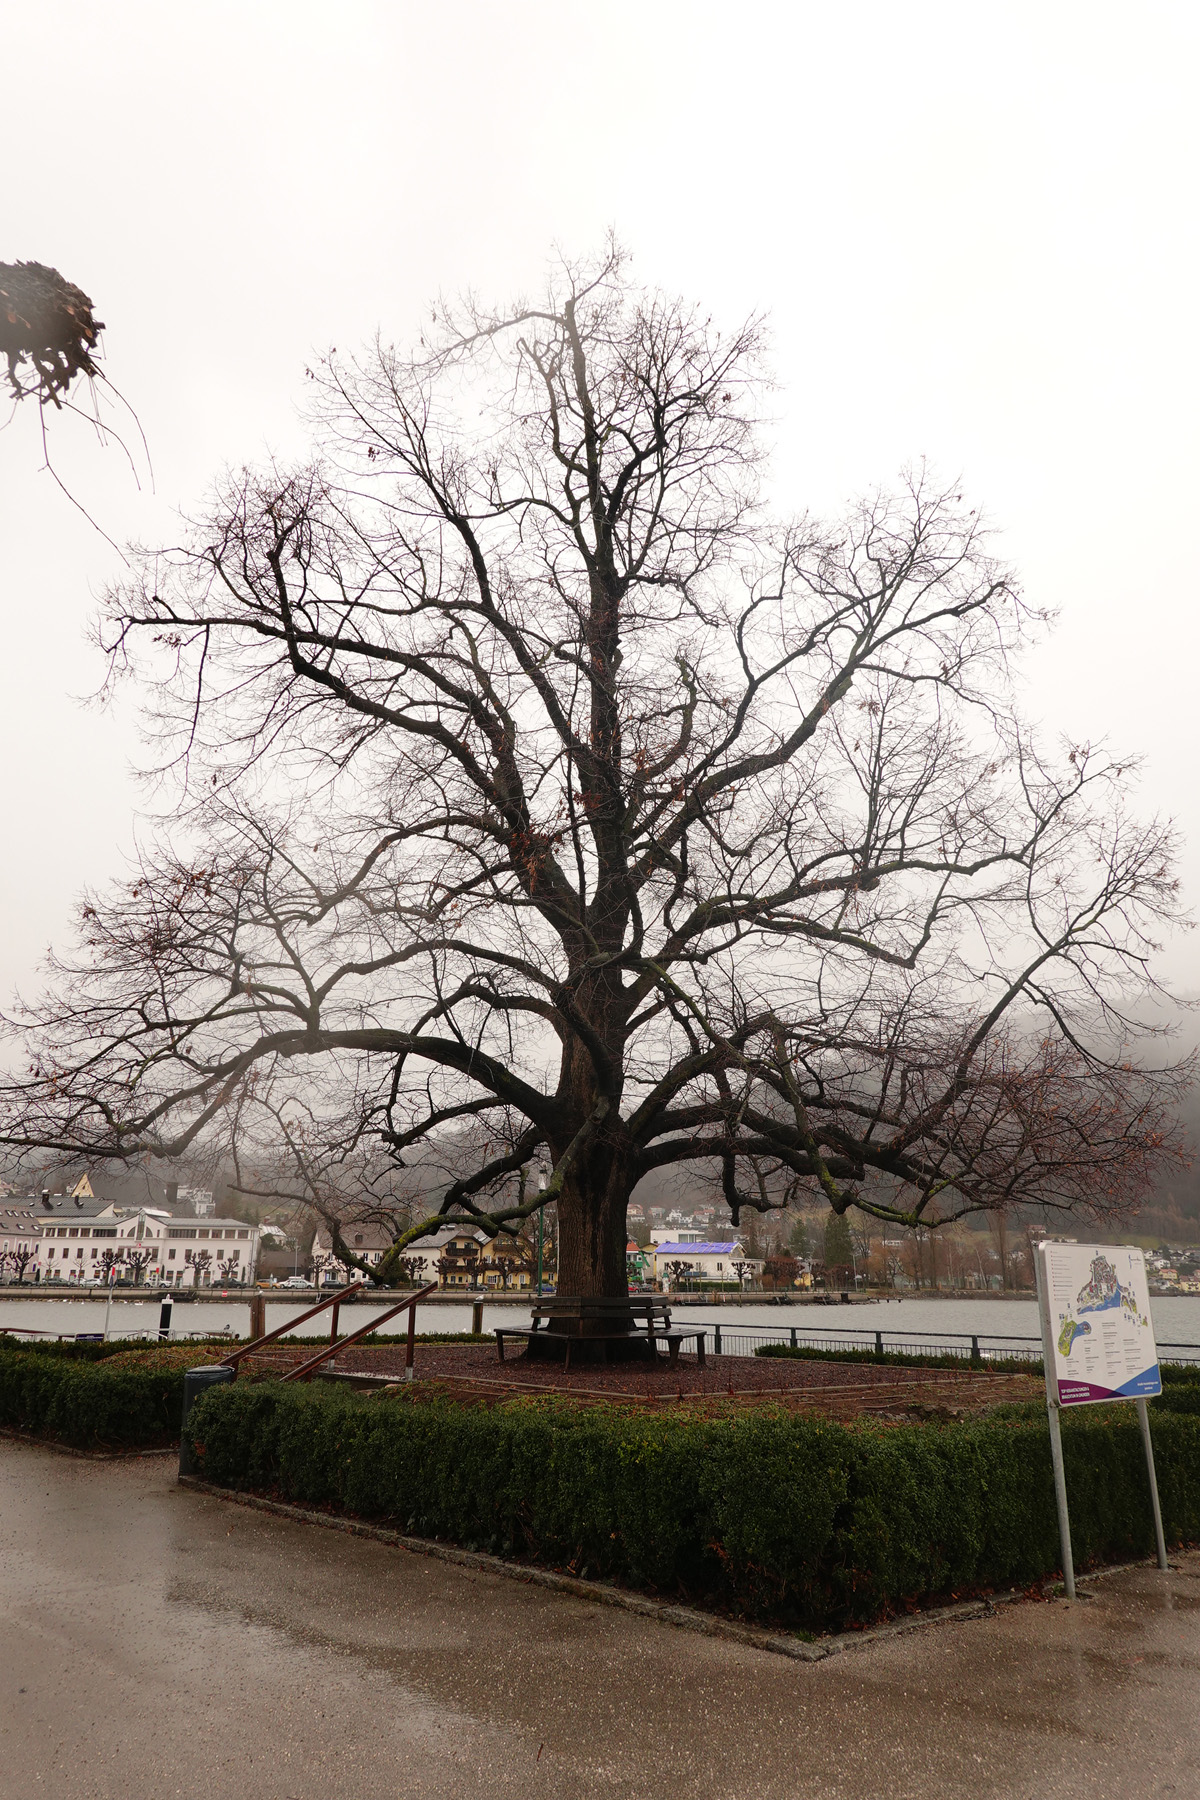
(544, 800)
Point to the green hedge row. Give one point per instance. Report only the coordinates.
(76, 1400)
(808, 1523)
(1005, 1365)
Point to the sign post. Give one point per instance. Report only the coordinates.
(1097, 1344)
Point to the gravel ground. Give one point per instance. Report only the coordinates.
(832, 1388)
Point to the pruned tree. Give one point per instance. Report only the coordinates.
(201, 1262)
(550, 801)
(137, 1261)
(109, 1259)
(20, 1258)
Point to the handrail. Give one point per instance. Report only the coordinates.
(232, 1361)
(314, 1362)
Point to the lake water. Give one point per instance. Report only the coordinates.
(1176, 1318)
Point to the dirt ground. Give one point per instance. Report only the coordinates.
(831, 1389)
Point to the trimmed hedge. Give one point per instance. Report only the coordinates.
(77, 1401)
(775, 1516)
(1004, 1365)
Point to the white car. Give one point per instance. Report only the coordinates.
(296, 1281)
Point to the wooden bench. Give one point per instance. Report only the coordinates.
(670, 1335)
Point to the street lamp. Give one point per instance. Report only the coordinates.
(541, 1188)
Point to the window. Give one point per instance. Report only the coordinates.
(170, 1256)
(243, 1234)
(358, 1237)
(50, 1254)
(93, 1252)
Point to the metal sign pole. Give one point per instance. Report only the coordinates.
(1159, 1539)
(1056, 1454)
(1060, 1494)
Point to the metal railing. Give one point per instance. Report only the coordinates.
(969, 1347)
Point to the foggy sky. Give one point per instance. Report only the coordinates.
(974, 230)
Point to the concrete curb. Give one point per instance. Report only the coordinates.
(602, 1593)
(8, 1435)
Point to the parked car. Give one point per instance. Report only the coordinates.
(296, 1281)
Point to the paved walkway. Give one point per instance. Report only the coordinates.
(158, 1643)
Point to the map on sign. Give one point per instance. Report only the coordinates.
(1096, 1323)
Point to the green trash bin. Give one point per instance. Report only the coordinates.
(195, 1382)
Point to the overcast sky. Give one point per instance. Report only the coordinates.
(974, 229)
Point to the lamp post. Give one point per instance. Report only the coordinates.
(541, 1226)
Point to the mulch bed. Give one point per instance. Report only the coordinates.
(830, 1389)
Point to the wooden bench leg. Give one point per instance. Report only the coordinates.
(500, 1347)
(567, 1353)
(673, 1347)
(700, 1351)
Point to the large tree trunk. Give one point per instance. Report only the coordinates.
(591, 1222)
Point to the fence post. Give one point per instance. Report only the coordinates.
(411, 1343)
(716, 1340)
(477, 1318)
(879, 1345)
(975, 1356)
(794, 1344)
(258, 1316)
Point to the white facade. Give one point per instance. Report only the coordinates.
(170, 1252)
(711, 1261)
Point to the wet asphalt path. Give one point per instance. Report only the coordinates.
(157, 1643)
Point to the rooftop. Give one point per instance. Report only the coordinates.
(698, 1249)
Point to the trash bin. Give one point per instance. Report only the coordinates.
(195, 1381)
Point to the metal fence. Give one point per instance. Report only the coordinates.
(969, 1347)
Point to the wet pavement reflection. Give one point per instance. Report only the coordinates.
(156, 1642)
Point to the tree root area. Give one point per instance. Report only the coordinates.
(831, 1390)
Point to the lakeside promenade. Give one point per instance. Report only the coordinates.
(155, 1641)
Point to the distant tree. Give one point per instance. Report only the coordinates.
(780, 1271)
(743, 1271)
(108, 1260)
(201, 1262)
(798, 1239)
(20, 1259)
(839, 1254)
(137, 1260)
(679, 1274)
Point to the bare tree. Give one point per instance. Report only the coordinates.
(110, 1258)
(620, 825)
(138, 1260)
(201, 1262)
(21, 1258)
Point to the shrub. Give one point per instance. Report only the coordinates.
(81, 1401)
(773, 1515)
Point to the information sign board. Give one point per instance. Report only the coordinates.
(1096, 1327)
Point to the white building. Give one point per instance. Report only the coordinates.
(200, 1200)
(146, 1242)
(708, 1259)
